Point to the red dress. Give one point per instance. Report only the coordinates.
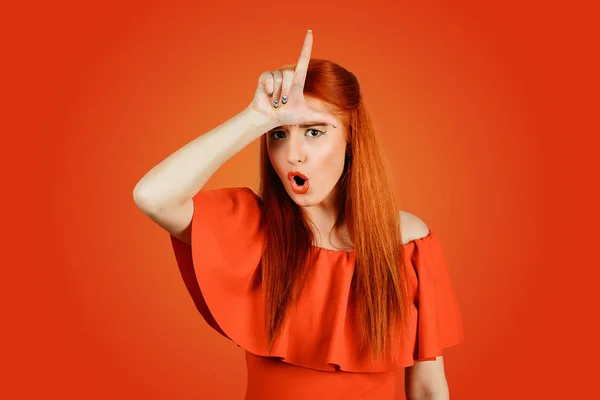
(316, 355)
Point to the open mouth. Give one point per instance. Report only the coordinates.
(298, 182)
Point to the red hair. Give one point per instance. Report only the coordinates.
(366, 205)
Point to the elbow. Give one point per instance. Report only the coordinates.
(144, 201)
(140, 198)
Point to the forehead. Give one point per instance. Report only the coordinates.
(314, 104)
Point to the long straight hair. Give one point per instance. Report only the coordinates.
(367, 206)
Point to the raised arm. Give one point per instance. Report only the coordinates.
(182, 174)
(166, 192)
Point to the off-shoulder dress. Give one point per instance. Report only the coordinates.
(316, 356)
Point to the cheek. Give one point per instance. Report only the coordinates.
(277, 158)
(332, 161)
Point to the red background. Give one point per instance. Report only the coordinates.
(482, 111)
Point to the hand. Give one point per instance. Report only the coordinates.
(273, 86)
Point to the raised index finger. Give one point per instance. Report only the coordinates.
(302, 65)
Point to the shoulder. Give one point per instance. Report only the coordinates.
(411, 227)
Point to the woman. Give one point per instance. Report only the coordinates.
(328, 288)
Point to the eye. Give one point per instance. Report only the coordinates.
(320, 133)
(273, 137)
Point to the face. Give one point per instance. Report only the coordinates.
(316, 151)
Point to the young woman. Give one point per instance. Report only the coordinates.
(326, 285)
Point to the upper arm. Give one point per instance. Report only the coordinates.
(426, 378)
(176, 219)
(411, 227)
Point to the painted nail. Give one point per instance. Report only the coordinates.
(283, 99)
(275, 104)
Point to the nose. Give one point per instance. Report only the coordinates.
(295, 150)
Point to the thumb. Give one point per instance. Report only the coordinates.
(324, 117)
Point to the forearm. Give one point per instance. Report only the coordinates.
(182, 174)
(431, 396)
(441, 393)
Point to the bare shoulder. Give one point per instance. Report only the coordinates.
(411, 227)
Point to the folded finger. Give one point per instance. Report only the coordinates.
(286, 85)
(266, 79)
(277, 79)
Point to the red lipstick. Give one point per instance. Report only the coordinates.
(298, 182)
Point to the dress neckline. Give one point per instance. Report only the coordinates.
(353, 251)
(332, 250)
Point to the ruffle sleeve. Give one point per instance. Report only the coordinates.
(439, 323)
(221, 270)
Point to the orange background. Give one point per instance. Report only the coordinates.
(479, 109)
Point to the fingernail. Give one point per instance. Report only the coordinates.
(283, 99)
(276, 104)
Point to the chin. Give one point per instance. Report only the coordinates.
(303, 200)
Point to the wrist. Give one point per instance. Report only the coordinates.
(257, 122)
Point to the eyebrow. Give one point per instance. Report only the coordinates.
(307, 125)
